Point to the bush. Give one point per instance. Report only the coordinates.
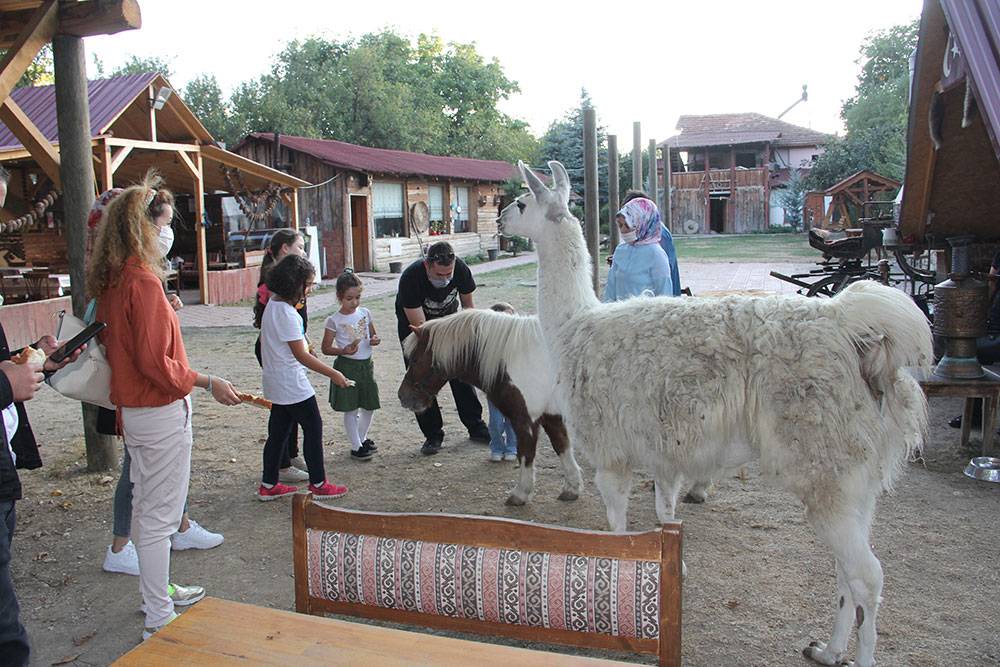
(474, 259)
(776, 229)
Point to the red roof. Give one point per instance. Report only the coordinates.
(108, 98)
(729, 129)
(386, 161)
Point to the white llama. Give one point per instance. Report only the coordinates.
(813, 388)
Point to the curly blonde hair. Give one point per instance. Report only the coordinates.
(127, 230)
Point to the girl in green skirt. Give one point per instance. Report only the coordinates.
(350, 334)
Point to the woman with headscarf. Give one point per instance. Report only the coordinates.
(639, 264)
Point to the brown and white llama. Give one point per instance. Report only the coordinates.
(505, 357)
(812, 388)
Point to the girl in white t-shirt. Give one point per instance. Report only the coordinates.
(285, 357)
(350, 334)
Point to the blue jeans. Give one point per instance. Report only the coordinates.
(502, 438)
(14, 647)
(123, 499)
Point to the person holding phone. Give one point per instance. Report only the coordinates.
(18, 383)
(150, 382)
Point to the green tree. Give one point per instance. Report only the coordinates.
(142, 65)
(792, 198)
(876, 115)
(39, 71)
(381, 90)
(204, 97)
(563, 141)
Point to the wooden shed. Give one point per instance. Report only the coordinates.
(139, 122)
(364, 199)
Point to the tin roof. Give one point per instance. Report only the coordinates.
(730, 129)
(386, 161)
(108, 98)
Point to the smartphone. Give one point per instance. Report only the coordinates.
(76, 342)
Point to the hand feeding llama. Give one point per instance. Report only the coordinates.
(734, 379)
(505, 357)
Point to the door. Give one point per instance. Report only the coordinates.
(360, 233)
(717, 221)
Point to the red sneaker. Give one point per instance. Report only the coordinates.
(327, 490)
(277, 491)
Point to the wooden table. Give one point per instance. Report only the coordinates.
(219, 632)
(986, 388)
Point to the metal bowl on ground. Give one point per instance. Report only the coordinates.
(985, 468)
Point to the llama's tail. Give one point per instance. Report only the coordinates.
(889, 333)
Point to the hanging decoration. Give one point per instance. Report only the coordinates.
(256, 206)
(31, 218)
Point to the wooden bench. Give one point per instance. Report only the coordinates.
(492, 577)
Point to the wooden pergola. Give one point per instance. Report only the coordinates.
(129, 136)
(842, 204)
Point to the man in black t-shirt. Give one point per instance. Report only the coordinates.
(428, 289)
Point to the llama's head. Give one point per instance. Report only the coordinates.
(537, 213)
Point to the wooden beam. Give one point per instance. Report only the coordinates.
(81, 19)
(293, 209)
(189, 165)
(152, 114)
(99, 17)
(201, 255)
(107, 172)
(36, 33)
(43, 152)
(153, 145)
(119, 156)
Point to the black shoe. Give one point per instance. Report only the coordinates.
(431, 446)
(956, 422)
(362, 453)
(370, 444)
(480, 433)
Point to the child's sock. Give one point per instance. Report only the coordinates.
(266, 485)
(364, 421)
(351, 426)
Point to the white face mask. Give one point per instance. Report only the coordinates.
(440, 282)
(628, 237)
(165, 239)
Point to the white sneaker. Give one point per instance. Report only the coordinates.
(291, 475)
(125, 561)
(195, 537)
(182, 596)
(299, 462)
(510, 456)
(496, 457)
(149, 632)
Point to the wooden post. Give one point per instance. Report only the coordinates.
(201, 253)
(107, 169)
(613, 196)
(666, 213)
(636, 156)
(590, 185)
(653, 194)
(76, 168)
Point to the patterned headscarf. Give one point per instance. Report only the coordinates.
(642, 217)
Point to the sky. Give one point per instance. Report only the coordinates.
(651, 62)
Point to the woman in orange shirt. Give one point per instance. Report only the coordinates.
(150, 382)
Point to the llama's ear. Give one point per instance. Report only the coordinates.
(561, 179)
(534, 183)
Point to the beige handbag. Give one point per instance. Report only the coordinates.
(88, 379)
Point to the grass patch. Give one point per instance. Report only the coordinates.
(744, 248)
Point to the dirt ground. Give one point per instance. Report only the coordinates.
(759, 585)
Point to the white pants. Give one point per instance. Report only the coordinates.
(159, 443)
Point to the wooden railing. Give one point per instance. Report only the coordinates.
(719, 180)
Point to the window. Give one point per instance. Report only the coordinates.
(459, 209)
(435, 202)
(696, 161)
(388, 208)
(748, 160)
(718, 160)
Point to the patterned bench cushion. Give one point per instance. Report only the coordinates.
(559, 591)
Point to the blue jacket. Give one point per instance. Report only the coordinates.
(667, 243)
(635, 269)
